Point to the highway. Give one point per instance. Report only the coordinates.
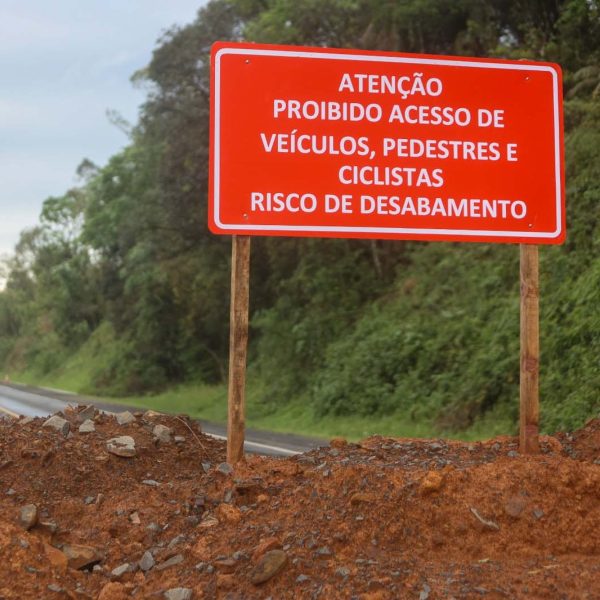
(16, 399)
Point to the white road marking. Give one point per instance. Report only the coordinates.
(259, 445)
(9, 412)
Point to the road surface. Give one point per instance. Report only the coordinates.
(16, 399)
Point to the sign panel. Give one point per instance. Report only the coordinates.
(340, 143)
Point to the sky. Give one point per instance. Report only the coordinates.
(63, 64)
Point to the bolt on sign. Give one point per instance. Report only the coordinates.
(356, 144)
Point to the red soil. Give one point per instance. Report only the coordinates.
(383, 519)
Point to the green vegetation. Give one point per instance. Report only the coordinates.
(122, 291)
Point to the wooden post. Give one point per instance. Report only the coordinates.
(238, 343)
(530, 350)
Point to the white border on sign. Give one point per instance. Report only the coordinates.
(389, 59)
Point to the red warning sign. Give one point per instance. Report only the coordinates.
(347, 143)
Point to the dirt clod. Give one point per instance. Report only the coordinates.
(56, 558)
(29, 516)
(515, 506)
(338, 442)
(432, 482)
(113, 591)
(229, 513)
(361, 498)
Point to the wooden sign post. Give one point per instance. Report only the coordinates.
(238, 343)
(530, 351)
(322, 142)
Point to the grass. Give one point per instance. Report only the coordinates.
(71, 380)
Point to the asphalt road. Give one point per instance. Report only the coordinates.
(16, 399)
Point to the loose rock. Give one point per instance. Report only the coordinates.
(87, 426)
(150, 414)
(225, 468)
(270, 564)
(88, 412)
(49, 527)
(119, 571)
(122, 446)
(29, 516)
(264, 546)
(153, 528)
(178, 594)
(171, 562)
(124, 418)
(147, 561)
(162, 433)
(59, 424)
(208, 521)
(226, 565)
(178, 539)
(151, 482)
(80, 557)
(424, 593)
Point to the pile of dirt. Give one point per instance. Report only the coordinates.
(144, 506)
